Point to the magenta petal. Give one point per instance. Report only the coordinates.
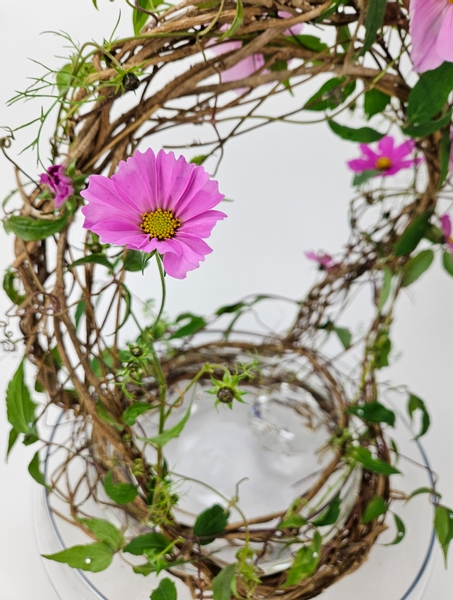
(445, 223)
(202, 225)
(386, 146)
(194, 251)
(201, 195)
(403, 150)
(359, 165)
(368, 152)
(444, 46)
(173, 178)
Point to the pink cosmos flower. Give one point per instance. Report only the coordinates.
(445, 225)
(155, 203)
(325, 261)
(59, 183)
(388, 159)
(431, 28)
(254, 62)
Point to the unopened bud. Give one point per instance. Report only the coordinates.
(225, 395)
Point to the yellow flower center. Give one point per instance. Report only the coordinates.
(384, 163)
(160, 224)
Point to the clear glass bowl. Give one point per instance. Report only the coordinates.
(397, 572)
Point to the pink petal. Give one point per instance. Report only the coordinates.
(202, 225)
(445, 222)
(200, 195)
(386, 146)
(359, 165)
(403, 150)
(444, 46)
(135, 181)
(194, 251)
(101, 191)
(425, 24)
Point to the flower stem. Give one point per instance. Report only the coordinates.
(164, 292)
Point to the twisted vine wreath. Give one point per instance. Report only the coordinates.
(360, 49)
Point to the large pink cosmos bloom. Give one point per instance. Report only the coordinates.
(155, 203)
(431, 28)
(60, 184)
(253, 63)
(388, 159)
(445, 224)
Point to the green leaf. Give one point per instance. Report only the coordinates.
(12, 439)
(148, 541)
(237, 21)
(80, 311)
(426, 129)
(447, 261)
(413, 234)
(416, 266)
(133, 261)
(210, 523)
(400, 531)
(330, 95)
(89, 557)
(98, 259)
(330, 515)
(64, 78)
(121, 493)
(32, 230)
(305, 562)
(311, 42)
(194, 324)
(344, 335)
(166, 436)
(373, 412)
(199, 160)
(443, 525)
(363, 177)
(424, 490)
(231, 308)
(165, 591)
(20, 407)
(293, 521)
(364, 135)
(375, 102)
(106, 416)
(415, 403)
(381, 349)
(376, 507)
(222, 583)
(373, 22)
(386, 288)
(9, 285)
(35, 472)
(105, 532)
(364, 457)
(430, 94)
(133, 411)
(95, 3)
(127, 296)
(139, 18)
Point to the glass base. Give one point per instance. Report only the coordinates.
(212, 450)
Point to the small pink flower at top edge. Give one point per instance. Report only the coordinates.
(60, 183)
(253, 63)
(431, 29)
(325, 261)
(155, 202)
(445, 225)
(388, 159)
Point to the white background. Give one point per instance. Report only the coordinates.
(289, 198)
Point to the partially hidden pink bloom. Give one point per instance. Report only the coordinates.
(388, 159)
(155, 202)
(60, 184)
(253, 63)
(431, 29)
(445, 225)
(325, 261)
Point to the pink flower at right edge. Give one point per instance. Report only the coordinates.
(431, 29)
(388, 159)
(445, 225)
(254, 62)
(60, 183)
(325, 261)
